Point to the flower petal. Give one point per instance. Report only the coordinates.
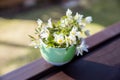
(88, 19)
(39, 21)
(68, 13)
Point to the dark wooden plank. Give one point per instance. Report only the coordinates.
(108, 55)
(104, 35)
(40, 66)
(60, 76)
(102, 64)
(27, 71)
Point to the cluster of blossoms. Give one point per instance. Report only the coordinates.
(64, 33)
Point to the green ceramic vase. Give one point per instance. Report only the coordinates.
(57, 56)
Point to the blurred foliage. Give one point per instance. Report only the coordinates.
(31, 56)
(104, 12)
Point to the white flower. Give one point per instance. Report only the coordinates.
(59, 38)
(72, 35)
(44, 33)
(39, 21)
(49, 23)
(67, 40)
(68, 13)
(78, 34)
(64, 23)
(78, 17)
(88, 19)
(82, 47)
(72, 39)
(73, 31)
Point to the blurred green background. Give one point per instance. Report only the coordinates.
(19, 19)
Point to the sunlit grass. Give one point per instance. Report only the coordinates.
(94, 28)
(19, 60)
(14, 44)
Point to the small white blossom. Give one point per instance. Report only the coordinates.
(73, 31)
(68, 13)
(78, 34)
(49, 23)
(59, 38)
(72, 39)
(67, 40)
(64, 23)
(39, 21)
(82, 47)
(78, 17)
(44, 33)
(88, 19)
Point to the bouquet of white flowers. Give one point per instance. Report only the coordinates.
(66, 32)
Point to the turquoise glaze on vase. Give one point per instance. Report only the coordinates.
(57, 56)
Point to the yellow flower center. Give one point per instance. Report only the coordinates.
(60, 41)
(73, 33)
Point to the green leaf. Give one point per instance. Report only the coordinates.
(32, 38)
(37, 30)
